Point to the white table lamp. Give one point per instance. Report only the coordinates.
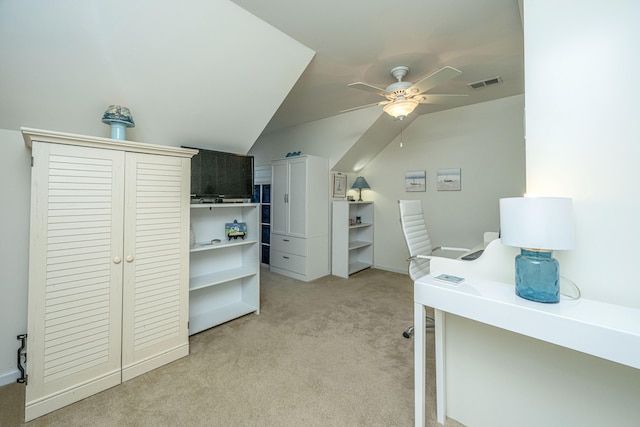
(360, 184)
(537, 225)
(120, 119)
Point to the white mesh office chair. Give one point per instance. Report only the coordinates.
(415, 234)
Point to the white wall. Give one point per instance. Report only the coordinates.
(582, 91)
(330, 138)
(486, 141)
(583, 135)
(177, 65)
(15, 193)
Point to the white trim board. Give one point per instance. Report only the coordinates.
(9, 377)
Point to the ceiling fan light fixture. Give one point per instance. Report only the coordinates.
(401, 108)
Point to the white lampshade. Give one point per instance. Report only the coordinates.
(400, 108)
(537, 222)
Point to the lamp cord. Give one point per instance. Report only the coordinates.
(401, 127)
(575, 287)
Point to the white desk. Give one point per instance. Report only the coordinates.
(604, 330)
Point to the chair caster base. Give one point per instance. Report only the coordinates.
(409, 331)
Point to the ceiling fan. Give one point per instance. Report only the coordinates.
(403, 97)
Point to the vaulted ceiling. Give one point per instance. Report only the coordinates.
(218, 73)
(363, 40)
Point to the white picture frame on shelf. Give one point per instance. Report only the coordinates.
(415, 181)
(339, 185)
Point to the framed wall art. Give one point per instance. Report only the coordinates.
(415, 181)
(339, 185)
(449, 179)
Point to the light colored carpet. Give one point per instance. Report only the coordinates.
(325, 353)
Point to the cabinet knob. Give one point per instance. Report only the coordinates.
(129, 258)
(117, 260)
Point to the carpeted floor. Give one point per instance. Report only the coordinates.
(325, 353)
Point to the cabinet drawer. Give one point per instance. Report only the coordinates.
(290, 262)
(290, 245)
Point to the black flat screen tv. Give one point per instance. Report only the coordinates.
(218, 176)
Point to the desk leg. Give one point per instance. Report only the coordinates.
(440, 366)
(420, 360)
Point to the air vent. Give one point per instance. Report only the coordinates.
(485, 83)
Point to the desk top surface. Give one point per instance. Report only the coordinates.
(604, 330)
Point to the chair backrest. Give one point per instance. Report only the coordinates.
(415, 234)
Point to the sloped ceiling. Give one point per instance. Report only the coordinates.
(363, 40)
(199, 73)
(218, 74)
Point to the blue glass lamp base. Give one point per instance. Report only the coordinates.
(537, 276)
(118, 131)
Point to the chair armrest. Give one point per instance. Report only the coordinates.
(441, 248)
(448, 248)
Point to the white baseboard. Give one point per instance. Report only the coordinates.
(9, 377)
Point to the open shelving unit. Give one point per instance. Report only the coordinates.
(224, 275)
(352, 241)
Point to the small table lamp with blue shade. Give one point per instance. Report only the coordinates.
(119, 118)
(359, 184)
(537, 225)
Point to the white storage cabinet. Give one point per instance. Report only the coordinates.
(300, 217)
(352, 242)
(108, 264)
(224, 278)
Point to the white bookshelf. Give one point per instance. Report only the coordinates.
(224, 276)
(352, 243)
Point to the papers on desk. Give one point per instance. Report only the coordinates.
(449, 279)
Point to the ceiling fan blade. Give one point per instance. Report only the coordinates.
(437, 99)
(365, 106)
(433, 80)
(369, 88)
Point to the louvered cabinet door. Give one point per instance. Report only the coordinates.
(156, 262)
(75, 275)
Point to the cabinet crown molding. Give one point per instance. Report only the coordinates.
(30, 135)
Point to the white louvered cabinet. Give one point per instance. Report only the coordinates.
(108, 264)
